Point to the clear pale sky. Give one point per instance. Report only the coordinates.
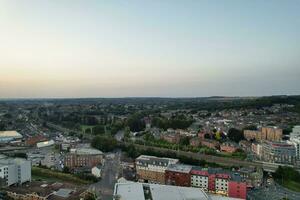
(149, 48)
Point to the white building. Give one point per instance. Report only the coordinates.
(296, 143)
(153, 163)
(45, 144)
(15, 171)
(296, 132)
(201, 181)
(96, 171)
(143, 191)
(221, 184)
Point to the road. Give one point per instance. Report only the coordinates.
(104, 188)
(119, 136)
(274, 192)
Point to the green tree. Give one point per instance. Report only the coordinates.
(104, 143)
(88, 131)
(148, 137)
(99, 130)
(136, 122)
(2, 126)
(66, 169)
(250, 127)
(184, 141)
(127, 132)
(131, 151)
(235, 135)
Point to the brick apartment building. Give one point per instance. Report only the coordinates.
(271, 133)
(252, 135)
(218, 181)
(237, 188)
(228, 147)
(195, 142)
(171, 138)
(210, 143)
(265, 133)
(152, 169)
(178, 174)
(83, 157)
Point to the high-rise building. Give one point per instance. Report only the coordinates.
(252, 135)
(265, 134)
(14, 171)
(271, 133)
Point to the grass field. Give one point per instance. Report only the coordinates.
(47, 174)
(292, 185)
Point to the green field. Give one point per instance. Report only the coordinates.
(292, 185)
(47, 174)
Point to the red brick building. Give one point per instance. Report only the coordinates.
(228, 147)
(31, 141)
(201, 135)
(211, 182)
(210, 143)
(84, 157)
(237, 189)
(195, 142)
(178, 174)
(172, 138)
(218, 181)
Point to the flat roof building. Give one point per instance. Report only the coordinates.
(279, 152)
(178, 174)
(83, 157)
(14, 171)
(143, 191)
(7, 136)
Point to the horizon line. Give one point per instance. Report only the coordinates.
(145, 97)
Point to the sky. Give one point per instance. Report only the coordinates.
(157, 48)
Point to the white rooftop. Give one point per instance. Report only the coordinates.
(138, 191)
(14, 134)
(164, 192)
(129, 191)
(86, 150)
(218, 197)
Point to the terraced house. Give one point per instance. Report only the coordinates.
(152, 169)
(215, 180)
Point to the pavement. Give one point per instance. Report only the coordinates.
(274, 192)
(119, 136)
(110, 171)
